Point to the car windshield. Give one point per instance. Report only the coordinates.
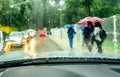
(15, 35)
(59, 28)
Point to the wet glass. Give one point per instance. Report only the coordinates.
(43, 25)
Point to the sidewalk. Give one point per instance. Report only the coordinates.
(64, 44)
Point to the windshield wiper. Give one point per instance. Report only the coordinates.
(55, 60)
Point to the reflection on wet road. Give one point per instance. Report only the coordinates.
(37, 45)
(46, 45)
(40, 47)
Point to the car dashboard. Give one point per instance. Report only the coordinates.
(63, 70)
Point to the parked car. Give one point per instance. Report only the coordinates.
(2, 39)
(25, 34)
(32, 32)
(15, 38)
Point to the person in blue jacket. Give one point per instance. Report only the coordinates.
(71, 32)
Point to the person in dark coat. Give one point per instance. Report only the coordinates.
(88, 35)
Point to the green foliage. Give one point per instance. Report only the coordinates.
(71, 12)
(40, 13)
(78, 9)
(16, 15)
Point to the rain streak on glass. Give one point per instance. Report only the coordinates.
(48, 28)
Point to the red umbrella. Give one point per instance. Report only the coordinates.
(84, 21)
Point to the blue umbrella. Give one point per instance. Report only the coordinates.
(68, 25)
(81, 28)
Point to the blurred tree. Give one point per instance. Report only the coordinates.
(20, 19)
(4, 12)
(39, 14)
(71, 12)
(46, 14)
(78, 9)
(88, 5)
(104, 8)
(14, 15)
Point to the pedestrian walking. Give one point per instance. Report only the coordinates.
(71, 32)
(88, 35)
(43, 39)
(99, 36)
(43, 36)
(83, 38)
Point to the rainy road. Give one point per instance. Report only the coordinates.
(41, 45)
(47, 45)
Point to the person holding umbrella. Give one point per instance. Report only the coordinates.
(71, 32)
(83, 39)
(99, 36)
(88, 35)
